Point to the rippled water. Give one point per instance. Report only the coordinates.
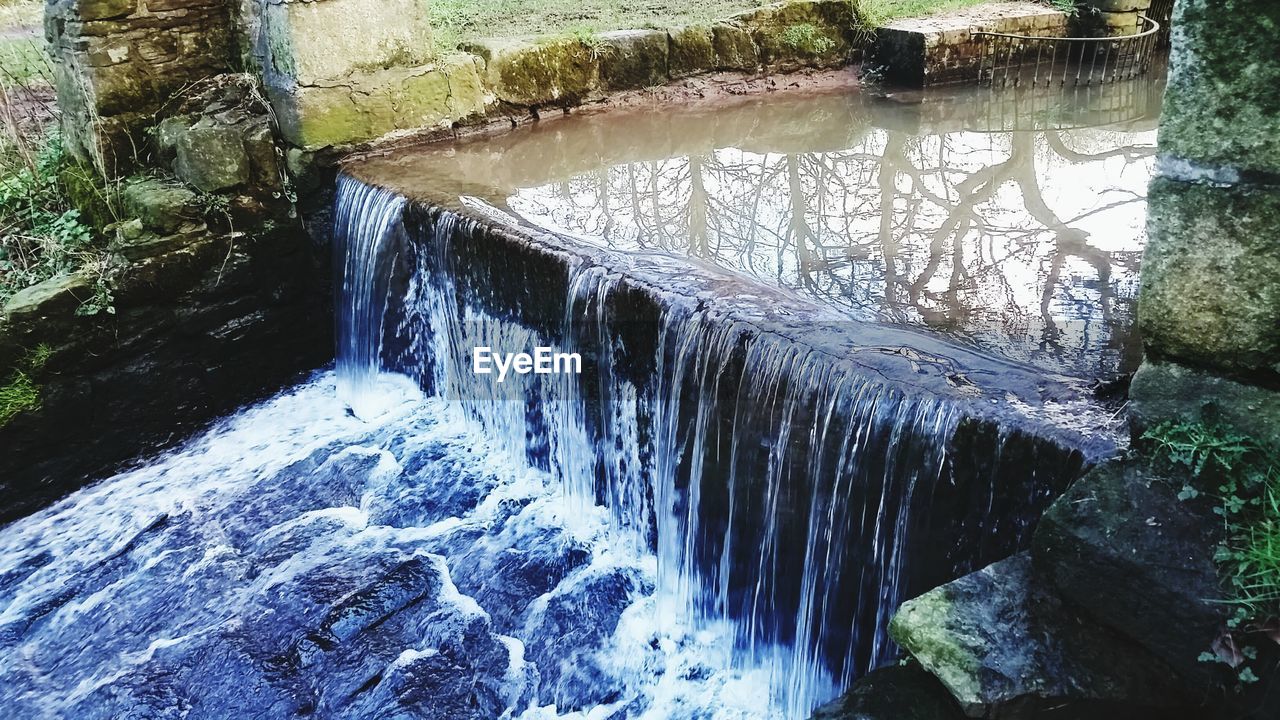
(296, 559)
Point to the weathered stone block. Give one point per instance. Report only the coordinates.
(1004, 645)
(311, 41)
(105, 9)
(1211, 277)
(1121, 5)
(632, 59)
(211, 157)
(734, 48)
(1167, 391)
(801, 33)
(939, 49)
(161, 206)
(1224, 85)
(691, 51)
(373, 104)
(552, 71)
(55, 298)
(1123, 547)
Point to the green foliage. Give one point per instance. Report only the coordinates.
(23, 62)
(41, 235)
(806, 38)
(20, 393)
(1243, 478)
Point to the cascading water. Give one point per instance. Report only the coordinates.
(783, 494)
(365, 218)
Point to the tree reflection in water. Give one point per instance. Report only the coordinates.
(1024, 243)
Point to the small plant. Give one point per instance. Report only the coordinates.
(20, 393)
(806, 38)
(41, 235)
(1243, 478)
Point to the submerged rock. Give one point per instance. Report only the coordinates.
(1005, 646)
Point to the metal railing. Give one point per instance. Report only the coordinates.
(1008, 60)
(1162, 12)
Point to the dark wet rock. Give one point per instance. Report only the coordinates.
(337, 481)
(1004, 645)
(319, 616)
(897, 692)
(1122, 546)
(567, 629)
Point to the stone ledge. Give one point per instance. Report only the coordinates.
(343, 106)
(939, 49)
(1167, 391)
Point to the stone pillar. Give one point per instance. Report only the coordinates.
(1210, 304)
(118, 62)
(1114, 18)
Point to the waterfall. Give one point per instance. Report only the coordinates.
(365, 220)
(783, 492)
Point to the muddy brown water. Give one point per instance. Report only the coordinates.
(1011, 221)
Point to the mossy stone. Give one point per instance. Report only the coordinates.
(105, 9)
(1223, 96)
(734, 48)
(1211, 277)
(55, 298)
(632, 59)
(691, 51)
(162, 206)
(1005, 645)
(801, 33)
(554, 71)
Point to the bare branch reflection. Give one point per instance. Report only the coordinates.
(1025, 243)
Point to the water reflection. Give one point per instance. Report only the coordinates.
(1012, 221)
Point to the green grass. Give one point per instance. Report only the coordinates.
(878, 12)
(454, 21)
(41, 233)
(1243, 478)
(23, 62)
(20, 393)
(22, 56)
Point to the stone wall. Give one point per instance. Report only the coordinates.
(118, 62)
(1210, 304)
(943, 49)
